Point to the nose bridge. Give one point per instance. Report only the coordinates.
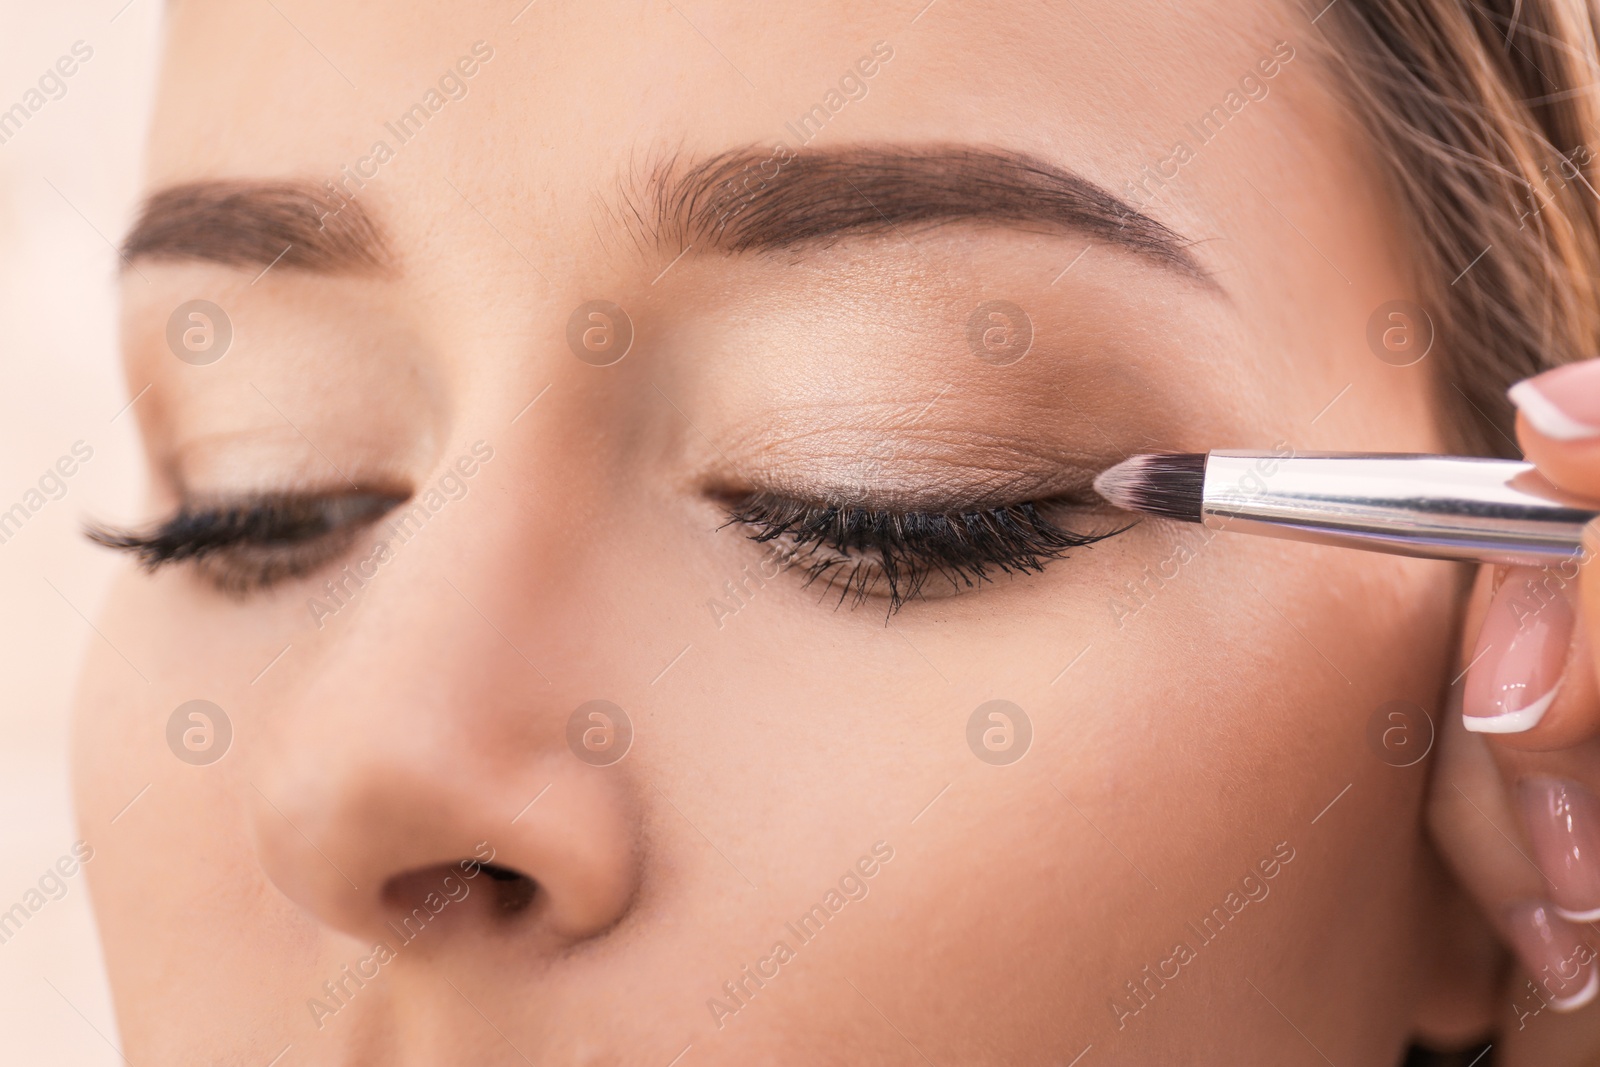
(420, 733)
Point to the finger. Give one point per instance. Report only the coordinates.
(1477, 814)
(1556, 800)
(1489, 812)
(1558, 425)
(1530, 679)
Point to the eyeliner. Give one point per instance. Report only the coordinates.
(1436, 507)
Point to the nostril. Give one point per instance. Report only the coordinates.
(467, 892)
(514, 890)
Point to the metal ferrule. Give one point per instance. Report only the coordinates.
(1437, 507)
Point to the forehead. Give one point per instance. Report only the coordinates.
(497, 148)
(573, 92)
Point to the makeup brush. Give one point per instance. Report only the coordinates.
(1437, 507)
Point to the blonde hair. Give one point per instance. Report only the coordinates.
(1487, 113)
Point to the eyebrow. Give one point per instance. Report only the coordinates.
(742, 201)
(241, 223)
(753, 200)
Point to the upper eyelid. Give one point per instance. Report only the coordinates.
(931, 497)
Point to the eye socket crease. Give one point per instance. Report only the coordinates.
(931, 473)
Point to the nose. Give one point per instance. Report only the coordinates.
(422, 775)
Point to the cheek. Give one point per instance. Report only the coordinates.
(1174, 751)
(1177, 753)
(175, 885)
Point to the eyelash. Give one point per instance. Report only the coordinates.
(249, 545)
(863, 550)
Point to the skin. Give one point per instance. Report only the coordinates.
(1194, 741)
(1477, 779)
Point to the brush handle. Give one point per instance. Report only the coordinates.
(1437, 507)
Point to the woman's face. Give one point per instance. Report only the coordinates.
(924, 267)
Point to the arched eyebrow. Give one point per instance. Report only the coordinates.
(256, 224)
(744, 201)
(753, 200)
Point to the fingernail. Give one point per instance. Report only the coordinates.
(1516, 669)
(1563, 404)
(1563, 823)
(1557, 954)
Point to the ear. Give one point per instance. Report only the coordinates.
(1466, 965)
(1463, 973)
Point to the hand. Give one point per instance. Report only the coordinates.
(1531, 679)
(1515, 803)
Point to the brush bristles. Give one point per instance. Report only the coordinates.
(1171, 485)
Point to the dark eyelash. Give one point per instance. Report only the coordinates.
(863, 549)
(250, 544)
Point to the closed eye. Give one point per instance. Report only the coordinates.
(255, 542)
(865, 551)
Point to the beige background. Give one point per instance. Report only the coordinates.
(68, 182)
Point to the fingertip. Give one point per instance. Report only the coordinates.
(1558, 955)
(1572, 465)
(1563, 404)
(1515, 677)
(1558, 425)
(1519, 721)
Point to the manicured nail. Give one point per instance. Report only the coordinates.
(1563, 823)
(1562, 404)
(1516, 669)
(1558, 955)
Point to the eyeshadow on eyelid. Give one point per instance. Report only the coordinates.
(899, 473)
